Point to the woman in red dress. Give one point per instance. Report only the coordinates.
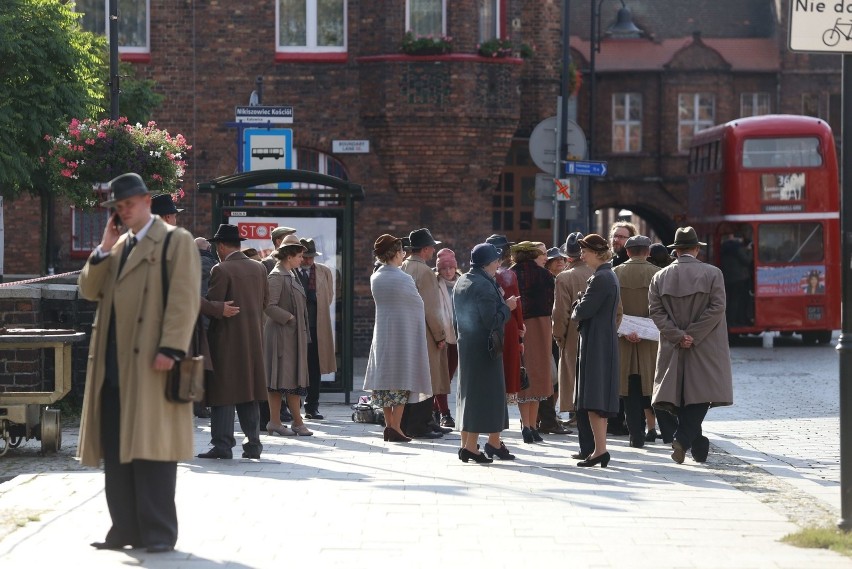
(514, 329)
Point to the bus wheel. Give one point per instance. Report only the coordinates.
(809, 338)
(824, 336)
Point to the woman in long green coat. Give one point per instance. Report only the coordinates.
(479, 311)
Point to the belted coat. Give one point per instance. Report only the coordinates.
(569, 285)
(152, 428)
(688, 297)
(634, 277)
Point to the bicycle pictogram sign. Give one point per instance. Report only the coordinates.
(831, 37)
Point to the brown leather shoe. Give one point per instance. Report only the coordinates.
(678, 452)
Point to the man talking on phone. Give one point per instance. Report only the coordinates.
(126, 418)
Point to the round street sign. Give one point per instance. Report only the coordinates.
(543, 143)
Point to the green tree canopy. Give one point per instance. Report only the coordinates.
(50, 70)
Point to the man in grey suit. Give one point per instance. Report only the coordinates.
(687, 303)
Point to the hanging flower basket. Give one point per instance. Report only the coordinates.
(503, 47)
(88, 153)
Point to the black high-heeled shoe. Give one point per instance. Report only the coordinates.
(502, 453)
(603, 459)
(477, 457)
(536, 437)
(651, 436)
(526, 432)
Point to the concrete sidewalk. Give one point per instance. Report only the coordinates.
(344, 496)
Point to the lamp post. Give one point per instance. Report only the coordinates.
(624, 27)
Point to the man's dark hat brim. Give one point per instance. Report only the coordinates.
(123, 187)
(163, 204)
(500, 241)
(420, 238)
(228, 233)
(686, 238)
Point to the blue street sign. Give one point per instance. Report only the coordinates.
(584, 168)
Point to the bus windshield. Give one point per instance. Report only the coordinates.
(781, 152)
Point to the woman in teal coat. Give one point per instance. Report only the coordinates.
(480, 310)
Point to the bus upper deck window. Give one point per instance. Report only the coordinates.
(781, 152)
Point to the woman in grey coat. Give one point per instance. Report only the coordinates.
(285, 340)
(398, 366)
(480, 310)
(597, 314)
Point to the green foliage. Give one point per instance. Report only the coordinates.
(138, 99)
(49, 72)
(504, 47)
(425, 45)
(822, 538)
(90, 152)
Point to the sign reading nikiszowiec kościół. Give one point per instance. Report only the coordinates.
(263, 114)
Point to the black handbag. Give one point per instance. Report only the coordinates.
(185, 381)
(525, 378)
(495, 344)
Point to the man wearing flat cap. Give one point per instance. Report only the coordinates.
(236, 346)
(637, 356)
(318, 282)
(126, 418)
(164, 206)
(687, 303)
(277, 235)
(417, 419)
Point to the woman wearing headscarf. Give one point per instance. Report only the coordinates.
(597, 313)
(285, 340)
(398, 366)
(480, 314)
(447, 270)
(536, 285)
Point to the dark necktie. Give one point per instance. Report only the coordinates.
(128, 247)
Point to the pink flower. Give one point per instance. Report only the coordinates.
(67, 173)
(101, 134)
(90, 141)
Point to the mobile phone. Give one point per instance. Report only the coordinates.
(116, 220)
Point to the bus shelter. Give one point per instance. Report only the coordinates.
(318, 206)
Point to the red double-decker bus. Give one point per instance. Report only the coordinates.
(764, 196)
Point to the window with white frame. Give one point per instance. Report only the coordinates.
(134, 22)
(489, 20)
(753, 104)
(695, 111)
(627, 122)
(87, 228)
(311, 25)
(315, 161)
(426, 17)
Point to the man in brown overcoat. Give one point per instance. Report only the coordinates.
(637, 355)
(126, 419)
(687, 303)
(236, 346)
(417, 419)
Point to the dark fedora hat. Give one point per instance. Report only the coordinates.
(422, 238)
(686, 238)
(499, 241)
(163, 204)
(228, 233)
(310, 247)
(123, 187)
(571, 247)
(594, 242)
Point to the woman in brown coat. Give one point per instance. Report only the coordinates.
(285, 340)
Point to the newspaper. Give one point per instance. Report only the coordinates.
(644, 327)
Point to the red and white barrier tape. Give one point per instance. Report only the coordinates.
(39, 279)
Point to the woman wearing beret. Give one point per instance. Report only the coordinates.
(536, 285)
(285, 338)
(480, 311)
(597, 313)
(398, 366)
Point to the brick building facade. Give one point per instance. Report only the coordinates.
(448, 133)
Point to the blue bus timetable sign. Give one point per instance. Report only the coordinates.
(584, 168)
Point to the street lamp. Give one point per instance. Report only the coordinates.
(623, 27)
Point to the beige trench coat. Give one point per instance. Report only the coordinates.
(688, 297)
(634, 277)
(152, 428)
(427, 286)
(325, 331)
(569, 284)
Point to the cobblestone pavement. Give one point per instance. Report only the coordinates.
(345, 496)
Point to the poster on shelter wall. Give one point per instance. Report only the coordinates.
(791, 280)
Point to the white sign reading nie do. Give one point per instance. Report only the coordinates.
(821, 26)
